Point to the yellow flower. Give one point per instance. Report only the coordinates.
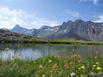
(97, 63)
(94, 65)
(82, 67)
(98, 68)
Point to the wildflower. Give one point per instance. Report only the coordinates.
(96, 57)
(77, 61)
(94, 65)
(66, 65)
(97, 63)
(54, 66)
(40, 66)
(7, 49)
(50, 61)
(71, 63)
(97, 52)
(43, 75)
(75, 55)
(82, 67)
(92, 73)
(82, 75)
(79, 68)
(16, 57)
(98, 68)
(73, 74)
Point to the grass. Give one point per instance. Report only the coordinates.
(73, 66)
(59, 42)
(75, 42)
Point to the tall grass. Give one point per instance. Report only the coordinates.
(73, 66)
(75, 42)
(39, 41)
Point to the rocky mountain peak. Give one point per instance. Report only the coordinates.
(17, 25)
(78, 29)
(45, 27)
(79, 20)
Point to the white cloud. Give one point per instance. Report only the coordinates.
(9, 18)
(1, 17)
(38, 22)
(73, 13)
(100, 18)
(95, 2)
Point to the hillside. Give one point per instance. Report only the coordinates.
(76, 30)
(79, 30)
(7, 36)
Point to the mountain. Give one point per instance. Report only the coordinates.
(45, 31)
(78, 30)
(12, 36)
(5, 29)
(21, 30)
(42, 32)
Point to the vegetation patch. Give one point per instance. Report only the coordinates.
(73, 66)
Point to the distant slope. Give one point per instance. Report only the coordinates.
(43, 32)
(19, 29)
(77, 30)
(7, 36)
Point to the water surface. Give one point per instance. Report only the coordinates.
(33, 52)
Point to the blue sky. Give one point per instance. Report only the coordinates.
(35, 13)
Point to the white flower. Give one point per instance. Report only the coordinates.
(73, 74)
(92, 73)
(50, 61)
(43, 75)
(40, 66)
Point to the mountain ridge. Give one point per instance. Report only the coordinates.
(78, 30)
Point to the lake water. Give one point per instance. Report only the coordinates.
(33, 52)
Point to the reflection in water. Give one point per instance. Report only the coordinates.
(32, 52)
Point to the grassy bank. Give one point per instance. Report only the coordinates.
(54, 67)
(75, 42)
(68, 42)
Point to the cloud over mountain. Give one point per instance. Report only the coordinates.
(10, 17)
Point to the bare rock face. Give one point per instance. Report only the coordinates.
(79, 30)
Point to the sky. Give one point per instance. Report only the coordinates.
(36, 13)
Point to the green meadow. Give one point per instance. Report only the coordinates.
(55, 66)
(45, 41)
(73, 66)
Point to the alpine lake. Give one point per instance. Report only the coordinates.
(31, 52)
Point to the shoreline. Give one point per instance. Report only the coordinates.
(52, 42)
